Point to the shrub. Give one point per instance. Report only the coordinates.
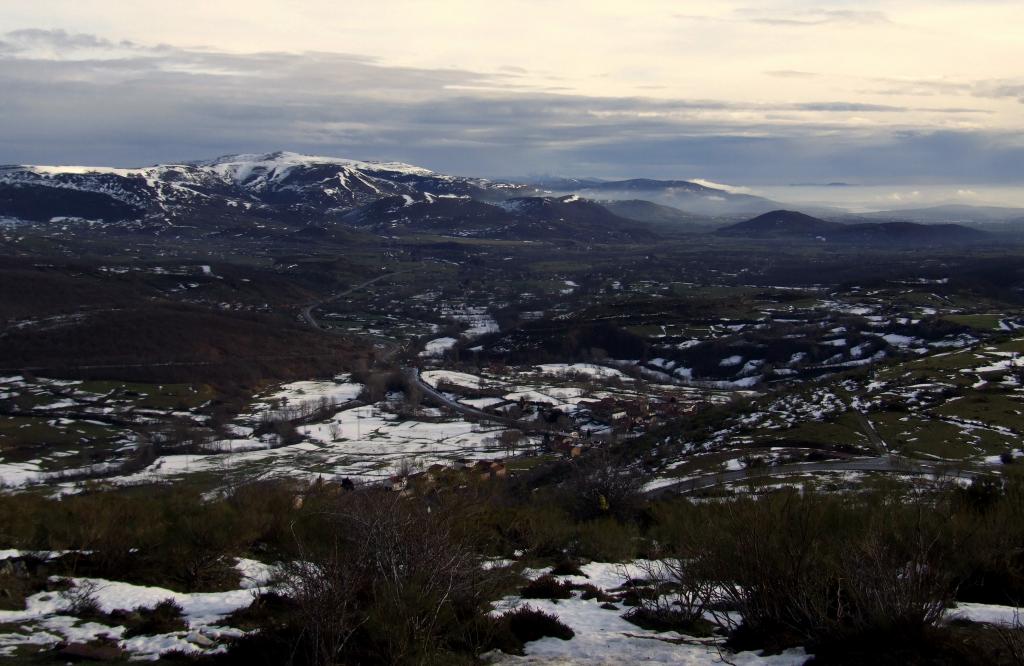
(815, 570)
(567, 566)
(530, 624)
(81, 599)
(677, 600)
(590, 591)
(602, 486)
(391, 584)
(546, 587)
(607, 540)
(164, 618)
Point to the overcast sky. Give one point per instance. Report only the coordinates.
(772, 92)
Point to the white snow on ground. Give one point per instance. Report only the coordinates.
(482, 403)
(476, 318)
(992, 614)
(660, 482)
(14, 474)
(899, 340)
(532, 396)
(438, 347)
(598, 371)
(463, 379)
(604, 638)
(364, 443)
(998, 366)
(338, 391)
(46, 623)
(730, 361)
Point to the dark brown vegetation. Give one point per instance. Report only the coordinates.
(385, 578)
(178, 344)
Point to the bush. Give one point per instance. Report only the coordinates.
(590, 591)
(676, 600)
(81, 599)
(602, 486)
(530, 624)
(546, 587)
(164, 618)
(607, 540)
(815, 570)
(390, 584)
(567, 566)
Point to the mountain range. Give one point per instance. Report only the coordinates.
(311, 195)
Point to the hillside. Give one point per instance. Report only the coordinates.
(525, 218)
(640, 210)
(685, 195)
(793, 225)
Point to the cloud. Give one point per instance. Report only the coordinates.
(982, 88)
(791, 74)
(795, 18)
(78, 98)
(815, 17)
(855, 107)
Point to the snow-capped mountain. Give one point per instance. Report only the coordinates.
(279, 184)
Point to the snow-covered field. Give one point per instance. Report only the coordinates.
(47, 621)
(365, 444)
(603, 637)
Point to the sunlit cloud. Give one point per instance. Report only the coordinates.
(773, 92)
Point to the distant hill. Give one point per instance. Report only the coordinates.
(685, 195)
(950, 214)
(531, 218)
(641, 210)
(782, 224)
(794, 225)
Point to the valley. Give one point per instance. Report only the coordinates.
(519, 357)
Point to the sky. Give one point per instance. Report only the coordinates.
(916, 93)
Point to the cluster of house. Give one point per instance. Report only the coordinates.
(635, 412)
(589, 424)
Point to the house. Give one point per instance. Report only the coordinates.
(569, 446)
(488, 470)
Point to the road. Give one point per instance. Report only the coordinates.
(307, 312)
(438, 398)
(876, 440)
(390, 347)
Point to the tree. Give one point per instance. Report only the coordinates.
(510, 440)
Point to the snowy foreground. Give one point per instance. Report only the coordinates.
(602, 635)
(46, 621)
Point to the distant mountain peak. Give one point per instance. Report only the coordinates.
(286, 159)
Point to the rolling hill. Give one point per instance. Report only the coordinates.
(793, 225)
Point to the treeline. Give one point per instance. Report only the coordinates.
(178, 344)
